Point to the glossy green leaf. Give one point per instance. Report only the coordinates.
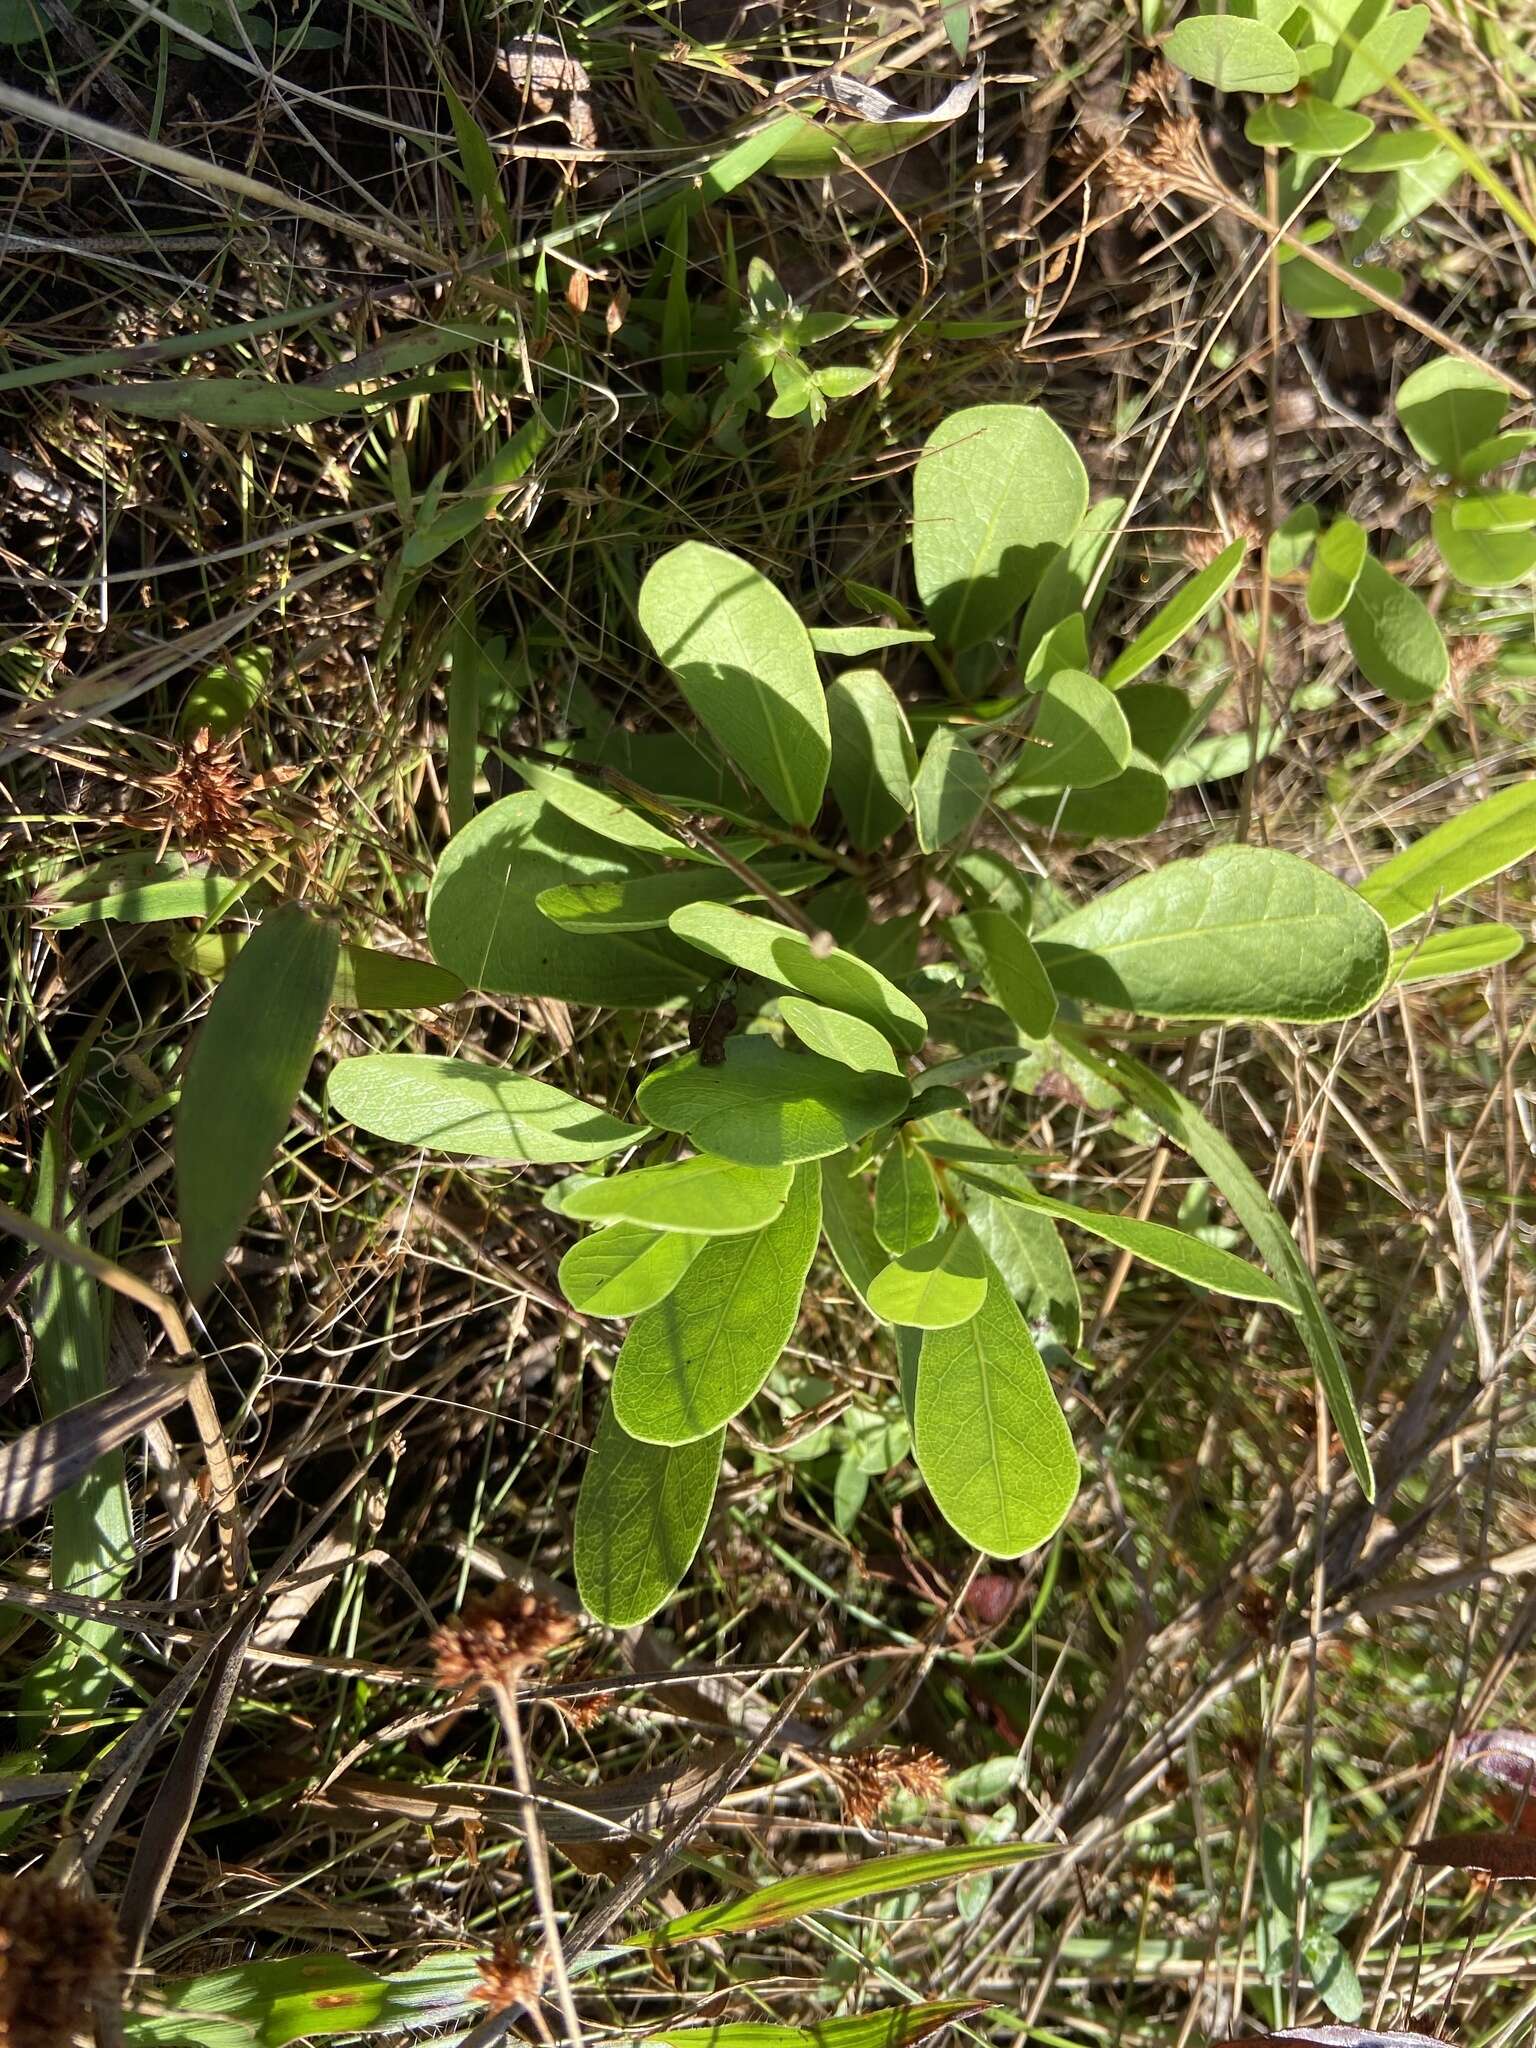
(696, 1359)
(1394, 638)
(1079, 739)
(767, 1106)
(988, 1432)
(472, 1110)
(1010, 967)
(998, 489)
(848, 1220)
(873, 759)
(626, 1269)
(1305, 287)
(870, 1877)
(1179, 1119)
(1448, 407)
(934, 1285)
(640, 1517)
(837, 979)
(1336, 567)
(852, 642)
(906, 1199)
(745, 663)
(1470, 949)
(1130, 807)
(484, 923)
(1482, 556)
(704, 1196)
(1312, 127)
(1157, 1244)
(837, 1036)
(647, 902)
(1237, 933)
(1027, 1250)
(1495, 834)
(1374, 41)
(1233, 55)
(1062, 592)
(247, 1065)
(950, 789)
(1189, 604)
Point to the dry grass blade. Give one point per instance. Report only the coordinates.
(44, 1460)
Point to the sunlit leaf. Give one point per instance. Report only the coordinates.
(767, 1106)
(625, 1269)
(704, 1196)
(472, 1110)
(1496, 833)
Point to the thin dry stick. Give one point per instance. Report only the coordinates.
(538, 1857)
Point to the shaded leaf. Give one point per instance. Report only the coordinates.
(1130, 807)
(648, 901)
(949, 790)
(769, 1107)
(1010, 967)
(848, 1220)
(1312, 127)
(1079, 739)
(472, 1110)
(140, 890)
(640, 1517)
(839, 980)
(1027, 1251)
(906, 1200)
(1305, 287)
(1062, 592)
(873, 759)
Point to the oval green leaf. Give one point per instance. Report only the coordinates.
(1187, 607)
(933, 1286)
(1243, 932)
(873, 759)
(1027, 1250)
(1079, 739)
(1394, 638)
(836, 1036)
(769, 1107)
(696, 1359)
(1448, 408)
(1482, 556)
(906, 1200)
(1312, 127)
(484, 923)
(950, 789)
(1233, 55)
(745, 663)
(472, 1111)
(1131, 806)
(646, 903)
(622, 1271)
(247, 1065)
(1495, 834)
(998, 490)
(988, 1433)
(705, 1196)
(640, 1517)
(1472, 949)
(1010, 967)
(839, 980)
(1336, 567)
(1305, 287)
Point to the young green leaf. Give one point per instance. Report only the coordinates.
(745, 663)
(1471, 949)
(472, 1110)
(1241, 932)
(625, 1269)
(1478, 551)
(1292, 540)
(1312, 127)
(870, 1877)
(247, 1065)
(482, 495)
(484, 923)
(1159, 1244)
(646, 903)
(906, 1199)
(1394, 638)
(1215, 1156)
(767, 1106)
(852, 642)
(848, 1221)
(1497, 452)
(1306, 288)
(1373, 43)
(998, 489)
(950, 789)
(1010, 967)
(839, 980)
(1233, 55)
(1130, 807)
(933, 1286)
(585, 804)
(1065, 646)
(704, 1196)
(1027, 1250)
(988, 1433)
(1079, 739)
(1495, 834)
(1062, 592)
(640, 1517)
(873, 759)
(1336, 567)
(696, 1359)
(140, 891)
(1189, 605)
(837, 1036)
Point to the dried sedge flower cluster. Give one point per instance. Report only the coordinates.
(203, 800)
(867, 1780)
(585, 1712)
(1173, 159)
(507, 1977)
(58, 1955)
(494, 1640)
